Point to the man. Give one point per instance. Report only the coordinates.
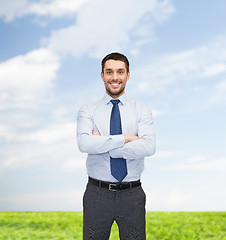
(117, 133)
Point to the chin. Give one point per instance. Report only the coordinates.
(115, 94)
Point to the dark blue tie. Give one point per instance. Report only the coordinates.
(118, 165)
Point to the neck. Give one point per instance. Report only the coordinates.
(115, 96)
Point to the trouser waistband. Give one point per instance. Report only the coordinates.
(114, 186)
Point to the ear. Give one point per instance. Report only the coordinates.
(102, 76)
(128, 76)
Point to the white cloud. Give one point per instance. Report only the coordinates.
(11, 9)
(55, 8)
(157, 112)
(44, 201)
(171, 154)
(6, 133)
(185, 200)
(52, 134)
(95, 31)
(190, 162)
(214, 69)
(54, 143)
(26, 78)
(187, 161)
(193, 66)
(218, 94)
(199, 163)
(70, 164)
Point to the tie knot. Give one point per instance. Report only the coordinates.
(115, 101)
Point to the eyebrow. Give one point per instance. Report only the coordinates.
(110, 69)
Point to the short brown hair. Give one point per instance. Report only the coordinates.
(115, 56)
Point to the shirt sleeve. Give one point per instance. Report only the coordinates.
(93, 144)
(145, 145)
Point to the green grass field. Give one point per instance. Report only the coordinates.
(68, 225)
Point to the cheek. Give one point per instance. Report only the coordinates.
(124, 81)
(107, 79)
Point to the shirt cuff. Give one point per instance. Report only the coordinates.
(116, 153)
(119, 140)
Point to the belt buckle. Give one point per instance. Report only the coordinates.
(111, 185)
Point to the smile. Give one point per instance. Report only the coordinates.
(115, 84)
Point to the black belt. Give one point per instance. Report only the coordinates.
(114, 186)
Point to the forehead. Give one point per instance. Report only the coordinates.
(114, 64)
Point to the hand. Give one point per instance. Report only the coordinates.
(96, 133)
(130, 138)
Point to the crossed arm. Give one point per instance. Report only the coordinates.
(128, 137)
(126, 146)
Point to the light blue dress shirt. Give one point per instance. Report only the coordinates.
(136, 119)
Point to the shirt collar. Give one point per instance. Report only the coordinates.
(108, 98)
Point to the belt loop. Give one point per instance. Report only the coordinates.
(99, 184)
(130, 185)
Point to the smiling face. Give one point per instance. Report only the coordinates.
(115, 76)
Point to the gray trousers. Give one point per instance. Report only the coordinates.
(101, 207)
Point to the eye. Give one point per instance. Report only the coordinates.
(121, 72)
(109, 72)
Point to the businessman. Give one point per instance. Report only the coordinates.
(117, 133)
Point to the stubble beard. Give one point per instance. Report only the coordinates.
(115, 94)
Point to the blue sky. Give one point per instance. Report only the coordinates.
(50, 54)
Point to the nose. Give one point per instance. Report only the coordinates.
(115, 76)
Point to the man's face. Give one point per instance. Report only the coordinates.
(115, 77)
